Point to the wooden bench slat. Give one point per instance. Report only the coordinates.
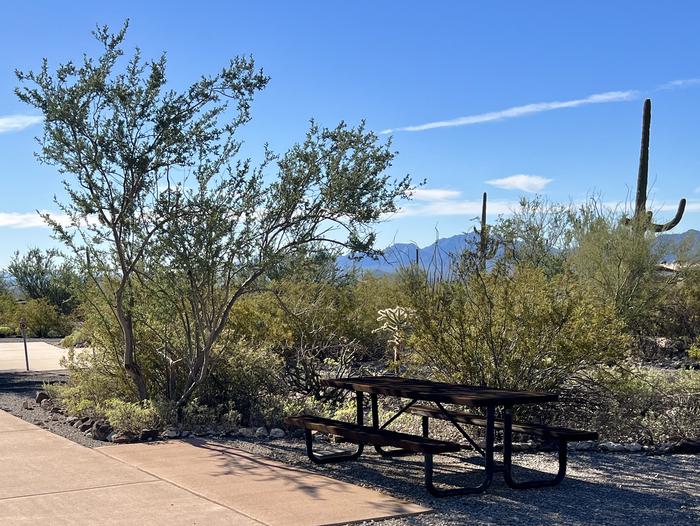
(376, 437)
(546, 432)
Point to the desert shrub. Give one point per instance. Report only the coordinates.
(6, 331)
(131, 417)
(94, 378)
(77, 338)
(43, 319)
(8, 309)
(509, 328)
(618, 265)
(640, 404)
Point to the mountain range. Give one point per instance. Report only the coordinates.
(439, 252)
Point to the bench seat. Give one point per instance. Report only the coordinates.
(540, 430)
(371, 436)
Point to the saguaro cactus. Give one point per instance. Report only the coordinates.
(642, 217)
(487, 248)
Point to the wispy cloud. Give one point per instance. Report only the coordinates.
(10, 123)
(524, 182)
(430, 202)
(539, 107)
(681, 83)
(520, 111)
(27, 219)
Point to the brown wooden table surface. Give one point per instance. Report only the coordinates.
(439, 392)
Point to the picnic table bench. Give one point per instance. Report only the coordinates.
(438, 394)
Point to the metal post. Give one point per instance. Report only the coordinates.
(23, 328)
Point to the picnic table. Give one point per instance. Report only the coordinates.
(427, 400)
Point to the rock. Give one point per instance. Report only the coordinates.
(634, 447)
(686, 447)
(55, 409)
(261, 432)
(88, 434)
(246, 432)
(585, 446)
(47, 404)
(25, 405)
(101, 430)
(148, 434)
(170, 432)
(41, 396)
(607, 446)
(276, 432)
(71, 420)
(85, 426)
(123, 437)
(185, 434)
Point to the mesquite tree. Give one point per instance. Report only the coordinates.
(196, 242)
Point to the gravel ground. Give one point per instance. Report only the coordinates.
(600, 488)
(18, 388)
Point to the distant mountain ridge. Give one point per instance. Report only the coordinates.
(439, 252)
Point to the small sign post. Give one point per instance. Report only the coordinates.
(23, 328)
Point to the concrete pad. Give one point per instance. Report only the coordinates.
(12, 423)
(269, 491)
(144, 504)
(36, 461)
(42, 356)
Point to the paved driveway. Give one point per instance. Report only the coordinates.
(42, 356)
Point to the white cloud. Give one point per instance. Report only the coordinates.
(27, 219)
(519, 111)
(455, 207)
(682, 83)
(10, 123)
(434, 194)
(524, 182)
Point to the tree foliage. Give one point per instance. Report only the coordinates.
(39, 275)
(173, 253)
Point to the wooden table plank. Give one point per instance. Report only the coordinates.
(439, 392)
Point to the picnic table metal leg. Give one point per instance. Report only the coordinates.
(375, 424)
(508, 458)
(488, 469)
(337, 457)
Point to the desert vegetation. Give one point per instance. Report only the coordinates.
(205, 290)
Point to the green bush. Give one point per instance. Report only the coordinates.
(43, 319)
(94, 377)
(640, 404)
(131, 417)
(508, 328)
(6, 331)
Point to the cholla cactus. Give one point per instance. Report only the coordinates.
(397, 322)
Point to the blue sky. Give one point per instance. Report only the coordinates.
(475, 93)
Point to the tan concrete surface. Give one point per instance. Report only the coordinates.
(272, 492)
(47, 479)
(40, 462)
(144, 504)
(42, 356)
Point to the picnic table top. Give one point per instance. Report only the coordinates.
(438, 391)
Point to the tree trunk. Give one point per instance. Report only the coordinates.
(132, 368)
